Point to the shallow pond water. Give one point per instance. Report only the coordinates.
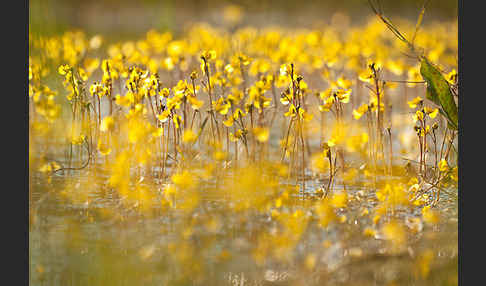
(92, 238)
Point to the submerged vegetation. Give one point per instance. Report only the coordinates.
(246, 156)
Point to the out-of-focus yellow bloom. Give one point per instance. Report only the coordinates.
(184, 180)
(49, 167)
(369, 232)
(325, 212)
(189, 136)
(261, 133)
(232, 14)
(430, 216)
(104, 148)
(454, 174)
(339, 200)
(77, 139)
(107, 124)
(394, 232)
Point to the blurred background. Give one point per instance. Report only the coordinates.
(130, 17)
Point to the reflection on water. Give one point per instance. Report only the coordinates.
(82, 234)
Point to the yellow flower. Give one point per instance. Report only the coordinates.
(78, 140)
(195, 103)
(305, 115)
(431, 112)
(49, 167)
(414, 102)
(261, 133)
(209, 55)
(343, 95)
(327, 104)
(238, 113)
(452, 76)
(369, 232)
(103, 148)
(95, 42)
(228, 122)
(292, 111)
(285, 70)
(107, 124)
(189, 136)
(376, 219)
(394, 232)
(177, 119)
(158, 132)
(123, 100)
(430, 216)
(454, 174)
(443, 166)
(83, 74)
(221, 106)
(285, 99)
(339, 200)
(168, 63)
(357, 113)
(344, 83)
(419, 115)
(219, 155)
(232, 14)
(164, 93)
(164, 116)
(228, 68)
(365, 76)
(184, 180)
(169, 191)
(64, 69)
(325, 212)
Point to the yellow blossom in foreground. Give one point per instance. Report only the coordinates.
(430, 215)
(339, 200)
(184, 180)
(395, 233)
(325, 212)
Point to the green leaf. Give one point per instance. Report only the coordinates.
(450, 124)
(438, 91)
(431, 95)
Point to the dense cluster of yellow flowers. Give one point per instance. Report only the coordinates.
(251, 116)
